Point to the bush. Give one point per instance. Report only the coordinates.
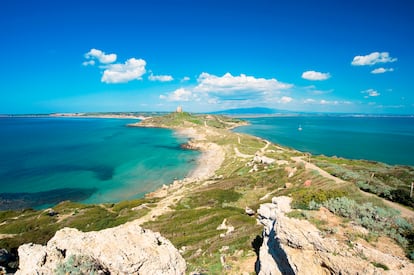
(401, 196)
(377, 219)
(304, 197)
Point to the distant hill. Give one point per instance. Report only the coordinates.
(251, 111)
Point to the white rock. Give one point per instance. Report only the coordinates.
(292, 246)
(126, 249)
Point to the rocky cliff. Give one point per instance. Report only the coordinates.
(293, 246)
(126, 249)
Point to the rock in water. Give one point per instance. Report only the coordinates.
(126, 249)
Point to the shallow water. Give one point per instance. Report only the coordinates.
(117, 162)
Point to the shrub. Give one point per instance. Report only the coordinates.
(376, 219)
(303, 198)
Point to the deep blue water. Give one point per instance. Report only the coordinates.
(91, 160)
(384, 139)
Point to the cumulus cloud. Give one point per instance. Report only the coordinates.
(230, 88)
(285, 99)
(371, 93)
(180, 94)
(100, 56)
(372, 58)
(120, 73)
(382, 70)
(313, 75)
(161, 78)
(230, 84)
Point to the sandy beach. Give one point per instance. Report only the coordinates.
(212, 155)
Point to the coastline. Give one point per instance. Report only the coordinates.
(235, 174)
(211, 158)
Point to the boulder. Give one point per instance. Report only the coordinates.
(126, 249)
(263, 159)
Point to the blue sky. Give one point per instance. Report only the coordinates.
(324, 56)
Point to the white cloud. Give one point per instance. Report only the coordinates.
(309, 100)
(312, 75)
(326, 102)
(180, 94)
(228, 88)
(100, 56)
(162, 78)
(285, 99)
(371, 93)
(382, 70)
(372, 58)
(185, 79)
(120, 73)
(87, 63)
(231, 84)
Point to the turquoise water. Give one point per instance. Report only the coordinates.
(88, 160)
(384, 139)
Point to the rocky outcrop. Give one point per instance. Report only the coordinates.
(293, 246)
(126, 249)
(263, 159)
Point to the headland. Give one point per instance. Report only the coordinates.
(211, 216)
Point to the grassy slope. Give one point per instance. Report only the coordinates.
(193, 223)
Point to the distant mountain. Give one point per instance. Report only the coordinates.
(251, 111)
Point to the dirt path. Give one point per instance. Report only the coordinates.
(405, 212)
(163, 206)
(263, 150)
(241, 155)
(316, 168)
(5, 236)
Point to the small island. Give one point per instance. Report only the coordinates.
(249, 206)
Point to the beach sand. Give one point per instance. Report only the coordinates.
(212, 155)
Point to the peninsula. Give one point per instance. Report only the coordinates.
(250, 206)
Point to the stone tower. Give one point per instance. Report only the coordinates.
(179, 109)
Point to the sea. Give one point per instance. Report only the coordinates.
(92, 160)
(387, 139)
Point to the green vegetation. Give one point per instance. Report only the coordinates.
(38, 226)
(194, 226)
(305, 198)
(390, 182)
(184, 119)
(376, 219)
(380, 265)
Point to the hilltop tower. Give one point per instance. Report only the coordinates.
(179, 109)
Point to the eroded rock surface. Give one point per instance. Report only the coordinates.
(126, 249)
(293, 246)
